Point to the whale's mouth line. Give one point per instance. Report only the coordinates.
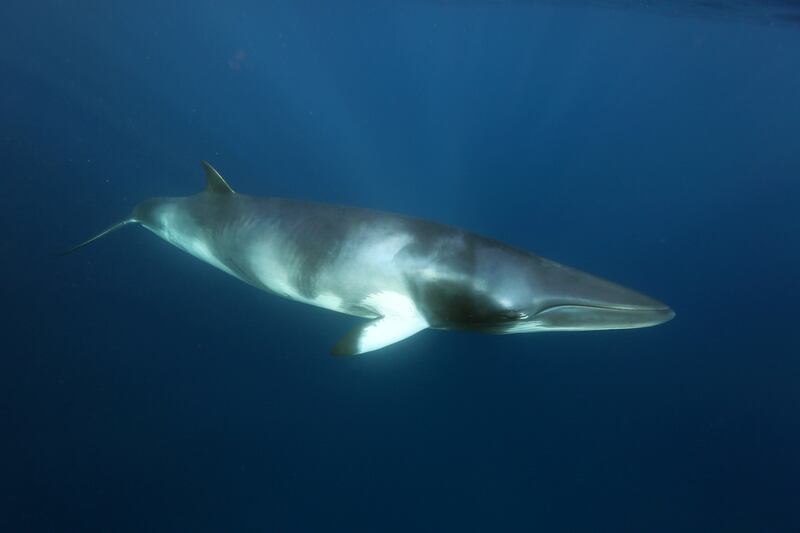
(588, 307)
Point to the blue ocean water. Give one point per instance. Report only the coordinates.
(657, 146)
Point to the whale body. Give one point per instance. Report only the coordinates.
(401, 274)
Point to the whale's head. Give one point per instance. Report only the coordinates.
(566, 299)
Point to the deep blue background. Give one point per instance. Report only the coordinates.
(141, 390)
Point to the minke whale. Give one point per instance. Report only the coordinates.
(401, 274)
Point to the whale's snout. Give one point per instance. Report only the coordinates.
(581, 317)
(571, 300)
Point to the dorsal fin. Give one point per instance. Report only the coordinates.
(214, 182)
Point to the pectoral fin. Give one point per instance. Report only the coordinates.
(378, 333)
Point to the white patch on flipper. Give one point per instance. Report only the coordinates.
(400, 319)
(390, 303)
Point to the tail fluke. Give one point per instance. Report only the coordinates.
(101, 234)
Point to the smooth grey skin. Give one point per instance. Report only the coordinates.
(403, 274)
